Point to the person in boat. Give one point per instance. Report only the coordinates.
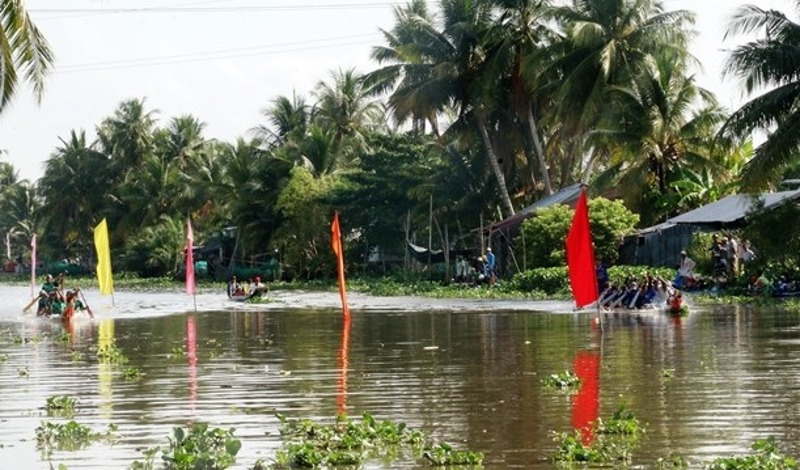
(233, 287)
(685, 276)
(661, 292)
(47, 295)
(257, 285)
(73, 303)
(675, 301)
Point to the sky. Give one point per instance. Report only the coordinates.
(223, 61)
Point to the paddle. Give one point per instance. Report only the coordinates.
(88, 310)
(28, 307)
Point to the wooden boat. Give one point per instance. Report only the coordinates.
(257, 292)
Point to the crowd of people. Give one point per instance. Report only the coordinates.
(481, 270)
(728, 255)
(55, 299)
(646, 293)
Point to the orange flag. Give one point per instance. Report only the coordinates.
(336, 245)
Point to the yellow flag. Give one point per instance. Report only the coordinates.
(103, 258)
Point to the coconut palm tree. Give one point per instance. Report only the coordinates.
(403, 66)
(519, 45)
(445, 67)
(609, 43)
(74, 190)
(771, 63)
(127, 136)
(288, 120)
(658, 127)
(23, 52)
(346, 106)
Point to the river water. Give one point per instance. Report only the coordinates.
(465, 372)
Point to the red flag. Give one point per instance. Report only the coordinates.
(190, 285)
(580, 256)
(336, 246)
(33, 265)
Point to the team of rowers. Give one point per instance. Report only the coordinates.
(649, 292)
(54, 299)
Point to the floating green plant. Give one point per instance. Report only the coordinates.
(111, 353)
(66, 436)
(200, 448)
(23, 371)
(609, 442)
(667, 373)
(445, 455)
(178, 351)
(349, 442)
(766, 456)
(76, 356)
(3, 358)
(62, 405)
(566, 379)
(63, 337)
(131, 373)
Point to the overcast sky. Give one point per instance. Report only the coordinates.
(224, 60)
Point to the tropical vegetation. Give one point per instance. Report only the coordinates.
(473, 111)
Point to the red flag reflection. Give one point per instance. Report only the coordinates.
(344, 351)
(191, 349)
(586, 403)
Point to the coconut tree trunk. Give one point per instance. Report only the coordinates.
(537, 146)
(498, 173)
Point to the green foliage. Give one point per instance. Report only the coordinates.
(64, 436)
(550, 281)
(611, 442)
(304, 236)
(777, 250)
(543, 236)
(60, 405)
(766, 456)
(444, 454)
(623, 272)
(349, 442)
(554, 282)
(156, 250)
(566, 379)
(131, 374)
(610, 221)
(200, 448)
(112, 354)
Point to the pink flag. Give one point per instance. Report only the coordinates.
(190, 287)
(33, 265)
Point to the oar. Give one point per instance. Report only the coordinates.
(88, 310)
(28, 307)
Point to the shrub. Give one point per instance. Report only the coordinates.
(542, 237)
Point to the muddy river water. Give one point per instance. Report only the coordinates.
(465, 372)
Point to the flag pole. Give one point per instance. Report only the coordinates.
(191, 287)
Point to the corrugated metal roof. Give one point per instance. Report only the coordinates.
(731, 209)
(565, 196)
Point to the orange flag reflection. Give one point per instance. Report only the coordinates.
(344, 360)
(586, 403)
